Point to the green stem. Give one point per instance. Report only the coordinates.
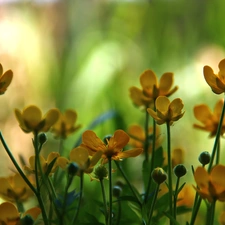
(170, 184)
(119, 212)
(212, 212)
(217, 138)
(128, 182)
(104, 201)
(175, 198)
(218, 153)
(153, 204)
(146, 144)
(16, 165)
(38, 169)
(80, 197)
(152, 161)
(110, 191)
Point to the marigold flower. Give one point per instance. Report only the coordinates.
(31, 119)
(80, 156)
(14, 188)
(216, 81)
(112, 148)
(166, 111)
(137, 137)
(210, 186)
(209, 119)
(9, 214)
(151, 88)
(65, 125)
(44, 163)
(5, 79)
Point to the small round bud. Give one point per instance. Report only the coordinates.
(117, 191)
(106, 139)
(73, 168)
(27, 220)
(204, 158)
(101, 172)
(42, 138)
(180, 170)
(159, 175)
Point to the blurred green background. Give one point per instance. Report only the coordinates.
(86, 54)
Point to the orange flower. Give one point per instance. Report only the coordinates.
(166, 111)
(186, 196)
(151, 88)
(210, 120)
(5, 79)
(137, 137)
(112, 148)
(9, 214)
(216, 81)
(65, 124)
(31, 120)
(44, 163)
(80, 156)
(14, 188)
(210, 186)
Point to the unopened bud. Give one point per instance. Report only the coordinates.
(180, 170)
(204, 158)
(42, 138)
(73, 168)
(159, 175)
(101, 172)
(117, 191)
(106, 139)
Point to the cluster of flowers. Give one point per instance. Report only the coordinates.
(91, 156)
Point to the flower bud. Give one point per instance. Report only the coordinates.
(106, 139)
(204, 158)
(180, 170)
(159, 175)
(117, 191)
(101, 172)
(73, 168)
(42, 138)
(27, 220)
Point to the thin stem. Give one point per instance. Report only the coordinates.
(80, 197)
(217, 137)
(153, 204)
(218, 153)
(127, 180)
(110, 191)
(16, 164)
(212, 212)
(104, 201)
(146, 144)
(175, 198)
(119, 212)
(170, 184)
(152, 161)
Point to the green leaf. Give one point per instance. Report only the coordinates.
(135, 209)
(183, 209)
(171, 218)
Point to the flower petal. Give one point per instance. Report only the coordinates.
(176, 107)
(62, 162)
(148, 80)
(119, 139)
(162, 104)
(202, 113)
(32, 116)
(79, 155)
(201, 177)
(50, 118)
(91, 141)
(130, 153)
(8, 212)
(5, 81)
(211, 79)
(165, 83)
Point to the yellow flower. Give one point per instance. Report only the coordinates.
(166, 111)
(151, 88)
(14, 188)
(186, 196)
(216, 81)
(5, 79)
(210, 186)
(80, 156)
(210, 120)
(137, 137)
(112, 148)
(31, 120)
(65, 124)
(44, 163)
(9, 214)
